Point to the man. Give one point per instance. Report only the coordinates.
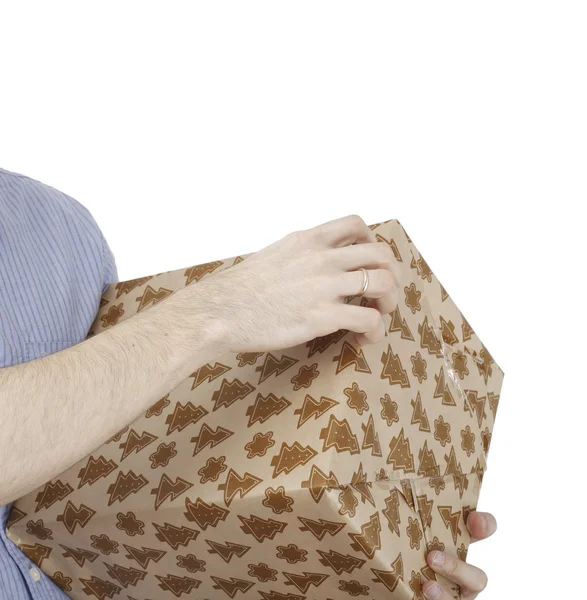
(61, 395)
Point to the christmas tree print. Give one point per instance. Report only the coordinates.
(210, 437)
(261, 529)
(15, 516)
(393, 369)
(125, 575)
(321, 527)
(228, 550)
(151, 296)
(235, 484)
(273, 365)
(398, 323)
(208, 373)
(319, 482)
(428, 339)
(177, 585)
(169, 489)
(350, 356)
(442, 390)
(320, 344)
(273, 595)
(428, 466)
(136, 442)
(196, 272)
(125, 287)
(305, 580)
(229, 393)
(36, 552)
(338, 435)
(265, 407)
(204, 514)
(400, 456)
(419, 415)
(79, 555)
(390, 579)
(175, 536)
(290, 457)
(231, 586)
(312, 408)
(144, 555)
(369, 540)
(95, 469)
(72, 516)
(51, 493)
(362, 486)
(370, 438)
(448, 331)
(451, 521)
(99, 588)
(340, 563)
(184, 415)
(391, 511)
(125, 485)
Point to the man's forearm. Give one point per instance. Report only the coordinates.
(57, 409)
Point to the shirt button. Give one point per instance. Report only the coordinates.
(34, 573)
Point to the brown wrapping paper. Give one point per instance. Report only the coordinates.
(327, 470)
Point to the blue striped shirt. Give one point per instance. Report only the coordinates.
(54, 266)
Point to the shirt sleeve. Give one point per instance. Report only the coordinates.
(109, 262)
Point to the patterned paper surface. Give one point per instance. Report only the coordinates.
(327, 470)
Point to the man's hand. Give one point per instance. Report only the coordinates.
(294, 290)
(472, 580)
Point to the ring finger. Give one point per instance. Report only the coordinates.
(381, 286)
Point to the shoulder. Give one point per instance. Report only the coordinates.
(26, 192)
(30, 208)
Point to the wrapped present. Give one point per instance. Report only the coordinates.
(326, 470)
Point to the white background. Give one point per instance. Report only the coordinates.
(198, 131)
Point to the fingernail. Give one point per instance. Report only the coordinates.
(438, 559)
(483, 522)
(433, 591)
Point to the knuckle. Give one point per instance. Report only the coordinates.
(451, 565)
(322, 259)
(295, 237)
(387, 280)
(372, 319)
(385, 252)
(357, 222)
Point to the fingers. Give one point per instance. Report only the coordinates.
(381, 287)
(368, 255)
(380, 283)
(481, 525)
(383, 272)
(351, 229)
(374, 335)
(366, 321)
(434, 591)
(471, 579)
